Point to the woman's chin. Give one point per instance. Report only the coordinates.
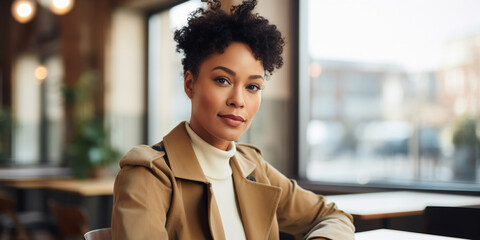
(233, 136)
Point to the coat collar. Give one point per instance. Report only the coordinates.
(180, 153)
(245, 166)
(179, 148)
(257, 201)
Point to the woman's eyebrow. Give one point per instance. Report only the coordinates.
(227, 70)
(255, 77)
(231, 72)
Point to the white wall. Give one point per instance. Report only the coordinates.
(125, 78)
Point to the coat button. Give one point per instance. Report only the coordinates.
(251, 178)
(158, 148)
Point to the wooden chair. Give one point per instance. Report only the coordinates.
(72, 221)
(461, 222)
(99, 234)
(8, 207)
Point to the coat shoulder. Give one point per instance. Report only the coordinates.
(247, 148)
(143, 155)
(250, 152)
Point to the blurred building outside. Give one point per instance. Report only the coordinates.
(378, 122)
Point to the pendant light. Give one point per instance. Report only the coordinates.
(61, 7)
(24, 10)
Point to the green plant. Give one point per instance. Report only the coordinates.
(467, 142)
(90, 147)
(465, 131)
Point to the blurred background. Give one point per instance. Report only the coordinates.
(374, 94)
(392, 92)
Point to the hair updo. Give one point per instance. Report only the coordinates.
(211, 31)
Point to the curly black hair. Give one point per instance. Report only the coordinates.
(211, 31)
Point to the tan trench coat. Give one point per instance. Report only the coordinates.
(169, 197)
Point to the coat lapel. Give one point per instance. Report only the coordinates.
(184, 164)
(182, 158)
(258, 202)
(214, 218)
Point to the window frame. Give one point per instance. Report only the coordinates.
(302, 96)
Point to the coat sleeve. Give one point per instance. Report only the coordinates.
(141, 201)
(304, 213)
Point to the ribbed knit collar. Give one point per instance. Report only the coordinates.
(215, 163)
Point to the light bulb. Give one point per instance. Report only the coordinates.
(41, 73)
(61, 7)
(23, 10)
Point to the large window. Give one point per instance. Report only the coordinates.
(37, 114)
(168, 104)
(390, 92)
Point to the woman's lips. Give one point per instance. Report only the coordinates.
(232, 120)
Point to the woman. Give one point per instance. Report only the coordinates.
(198, 183)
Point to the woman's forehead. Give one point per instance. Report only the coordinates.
(236, 57)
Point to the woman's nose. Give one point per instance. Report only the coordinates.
(236, 98)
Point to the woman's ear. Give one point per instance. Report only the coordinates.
(188, 83)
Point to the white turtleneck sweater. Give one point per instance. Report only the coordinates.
(215, 164)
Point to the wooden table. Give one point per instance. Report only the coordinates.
(96, 195)
(85, 187)
(384, 205)
(388, 234)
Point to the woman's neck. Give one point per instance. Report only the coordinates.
(215, 163)
(205, 136)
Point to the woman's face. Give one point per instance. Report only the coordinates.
(226, 94)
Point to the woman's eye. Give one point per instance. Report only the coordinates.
(222, 80)
(254, 87)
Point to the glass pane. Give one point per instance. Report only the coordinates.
(393, 91)
(27, 111)
(168, 104)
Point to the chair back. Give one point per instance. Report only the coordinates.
(6, 203)
(460, 222)
(99, 234)
(9, 206)
(71, 221)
